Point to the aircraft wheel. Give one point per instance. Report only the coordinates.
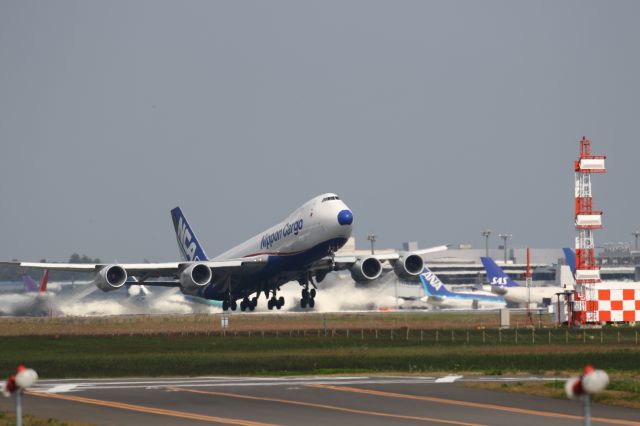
(278, 306)
(305, 293)
(254, 302)
(281, 301)
(312, 303)
(252, 307)
(225, 305)
(270, 304)
(312, 293)
(234, 305)
(243, 306)
(303, 303)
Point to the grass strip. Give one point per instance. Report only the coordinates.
(622, 391)
(126, 356)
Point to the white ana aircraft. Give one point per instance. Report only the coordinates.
(437, 295)
(300, 248)
(515, 293)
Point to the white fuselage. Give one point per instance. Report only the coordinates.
(309, 226)
(482, 300)
(520, 295)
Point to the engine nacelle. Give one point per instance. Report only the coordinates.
(366, 269)
(111, 277)
(498, 290)
(409, 265)
(194, 277)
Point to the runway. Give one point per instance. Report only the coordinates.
(309, 400)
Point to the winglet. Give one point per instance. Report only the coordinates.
(496, 275)
(432, 284)
(188, 244)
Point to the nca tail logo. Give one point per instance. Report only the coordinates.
(187, 246)
(433, 280)
(499, 281)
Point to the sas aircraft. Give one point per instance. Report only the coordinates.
(300, 248)
(437, 295)
(502, 284)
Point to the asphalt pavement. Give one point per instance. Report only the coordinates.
(308, 400)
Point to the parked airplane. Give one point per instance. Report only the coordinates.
(300, 248)
(436, 294)
(513, 292)
(35, 301)
(30, 286)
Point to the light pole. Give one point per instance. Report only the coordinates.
(486, 234)
(636, 234)
(372, 239)
(505, 237)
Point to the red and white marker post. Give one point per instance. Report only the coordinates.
(16, 384)
(590, 383)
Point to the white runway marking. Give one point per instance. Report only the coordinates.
(80, 385)
(62, 388)
(448, 379)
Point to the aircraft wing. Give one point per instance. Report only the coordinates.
(143, 271)
(343, 261)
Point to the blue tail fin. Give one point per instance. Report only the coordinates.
(432, 284)
(570, 255)
(496, 275)
(190, 248)
(30, 286)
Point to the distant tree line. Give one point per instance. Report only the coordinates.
(14, 273)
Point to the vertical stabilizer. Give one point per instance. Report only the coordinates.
(188, 244)
(432, 284)
(30, 286)
(43, 281)
(496, 275)
(570, 255)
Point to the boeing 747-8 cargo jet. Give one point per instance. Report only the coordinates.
(300, 248)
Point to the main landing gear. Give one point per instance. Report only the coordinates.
(308, 295)
(308, 298)
(248, 304)
(275, 302)
(229, 304)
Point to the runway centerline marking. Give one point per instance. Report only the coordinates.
(474, 404)
(152, 410)
(326, 407)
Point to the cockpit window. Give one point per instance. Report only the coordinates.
(330, 198)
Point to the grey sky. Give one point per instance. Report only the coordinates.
(432, 120)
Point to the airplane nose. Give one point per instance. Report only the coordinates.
(345, 217)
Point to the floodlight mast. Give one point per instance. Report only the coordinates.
(486, 234)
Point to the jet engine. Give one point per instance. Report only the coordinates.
(194, 276)
(498, 290)
(366, 269)
(409, 265)
(111, 277)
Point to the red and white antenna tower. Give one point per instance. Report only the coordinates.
(587, 271)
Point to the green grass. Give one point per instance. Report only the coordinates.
(623, 391)
(120, 356)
